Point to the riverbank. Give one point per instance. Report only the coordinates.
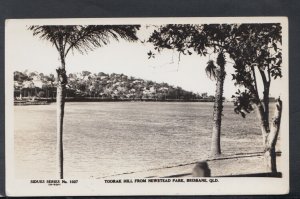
(96, 99)
(243, 165)
(26, 103)
(45, 101)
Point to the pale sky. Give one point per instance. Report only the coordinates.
(27, 52)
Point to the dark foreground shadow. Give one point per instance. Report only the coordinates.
(178, 175)
(273, 175)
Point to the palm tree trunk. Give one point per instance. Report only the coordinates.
(60, 116)
(217, 115)
(60, 101)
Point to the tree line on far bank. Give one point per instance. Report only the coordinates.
(101, 86)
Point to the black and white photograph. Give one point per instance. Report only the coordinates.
(147, 106)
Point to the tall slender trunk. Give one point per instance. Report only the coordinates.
(218, 108)
(60, 102)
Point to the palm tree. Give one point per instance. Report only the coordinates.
(82, 39)
(186, 38)
(217, 73)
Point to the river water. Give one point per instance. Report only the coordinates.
(108, 138)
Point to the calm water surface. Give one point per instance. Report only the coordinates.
(107, 138)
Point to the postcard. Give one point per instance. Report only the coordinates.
(147, 106)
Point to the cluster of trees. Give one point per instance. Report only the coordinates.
(33, 84)
(253, 48)
(101, 85)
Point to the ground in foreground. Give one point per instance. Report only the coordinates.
(245, 165)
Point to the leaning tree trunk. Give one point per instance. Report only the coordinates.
(270, 139)
(270, 135)
(60, 101)
(217, 115)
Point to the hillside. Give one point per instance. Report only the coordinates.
(102, 86)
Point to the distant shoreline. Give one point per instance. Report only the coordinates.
(44, 101)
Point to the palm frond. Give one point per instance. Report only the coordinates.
(92, 36)
(211, 70)
(84, 38)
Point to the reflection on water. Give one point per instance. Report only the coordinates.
(108, 138)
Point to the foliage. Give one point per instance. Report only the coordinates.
(83, 38)
(257, 55)
(188, 38)
(242, 102)
(252, 47)
(107, 86)
(20, 77)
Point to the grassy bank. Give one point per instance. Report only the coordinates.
(244, 165)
